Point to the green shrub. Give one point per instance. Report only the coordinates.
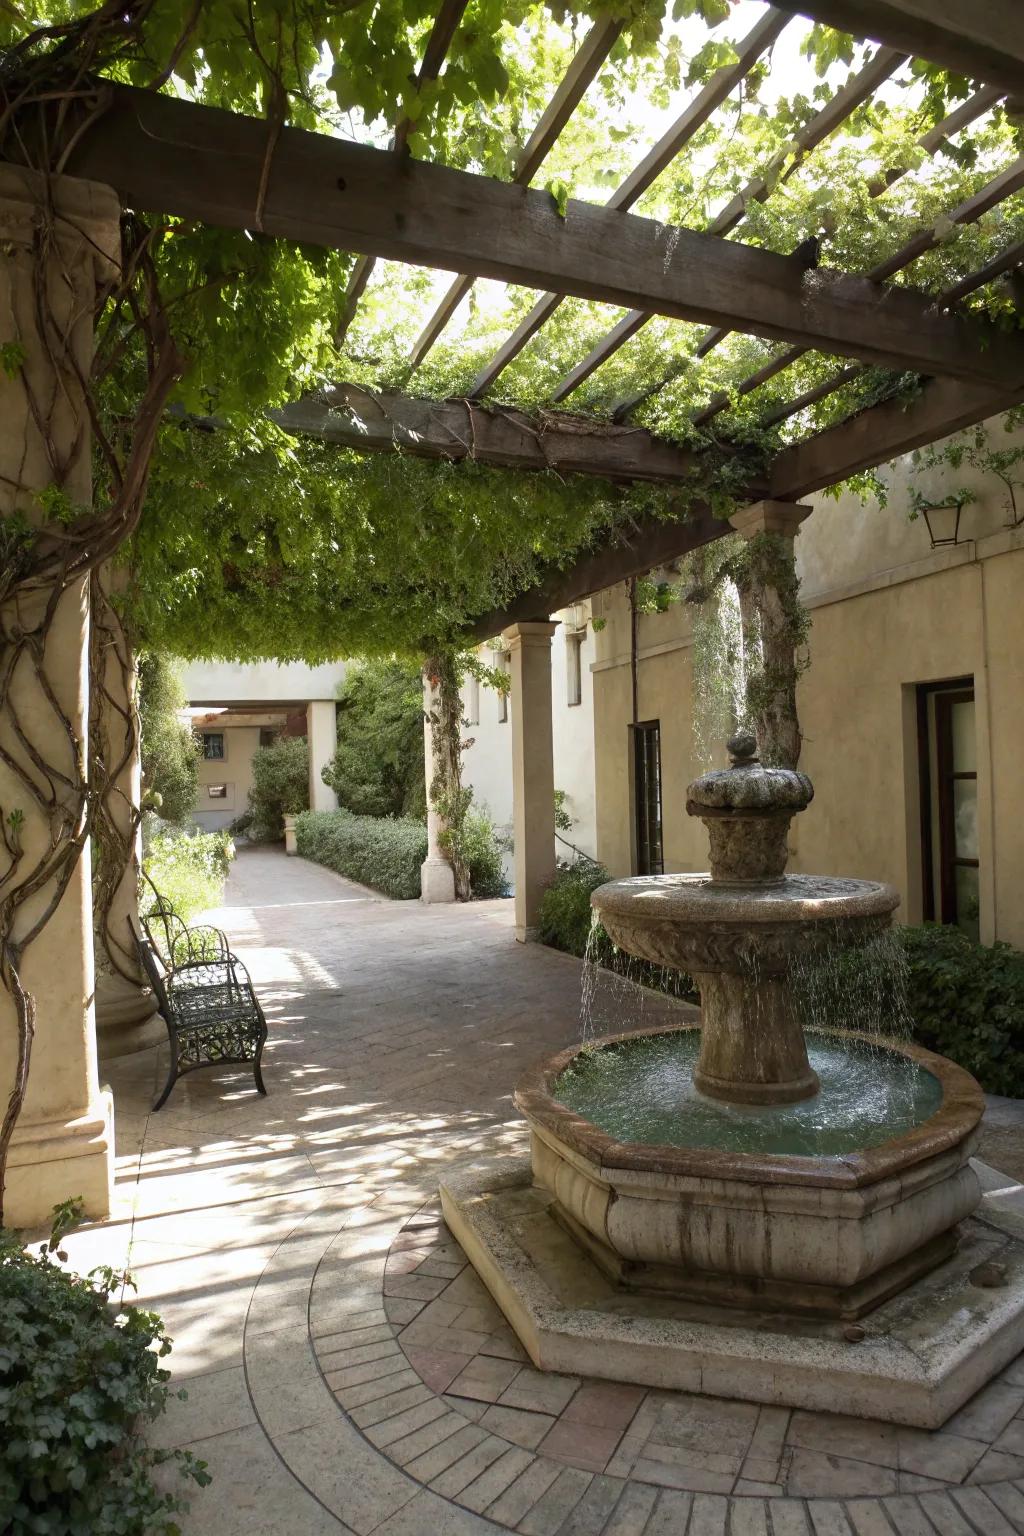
(280, 787)
(377, 851)
(78, 1377)
(378, 767)
(482, 847)
(170, 750)
(566, 922)
(188, 868)
(967, 1003)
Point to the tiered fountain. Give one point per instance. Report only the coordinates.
(738, 1208)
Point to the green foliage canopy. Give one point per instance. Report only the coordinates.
(378, 768)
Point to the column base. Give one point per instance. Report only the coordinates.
(437, 881)
(126, 1018)
(527, 935)
(55, 1160)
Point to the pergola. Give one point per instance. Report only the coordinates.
(166, 155)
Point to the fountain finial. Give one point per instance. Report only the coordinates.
(747, 809)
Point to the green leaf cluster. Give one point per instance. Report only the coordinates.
(189, 868)
(280, 786)
(170, 750)
(80, 1375)
(378, 768)
(383, 853)
(967, 1003)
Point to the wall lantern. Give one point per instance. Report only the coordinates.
(942, 518)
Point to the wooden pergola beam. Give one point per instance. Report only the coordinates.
(644, 548)
(584, 69)
(173, 156)
(980, 38)
(455, 430)
(644, 175)
(443, 31)
(883, 432)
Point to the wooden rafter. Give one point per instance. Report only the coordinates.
(833, 114)
(1007, 261)
(969, 211)
(644, 175)
(168, 155)
(648, 545)
(930, 142)
(443, 31)
(582, 72)
(980, 38)
(462, 429)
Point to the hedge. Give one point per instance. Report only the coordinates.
(382, 852)
(967, 1003)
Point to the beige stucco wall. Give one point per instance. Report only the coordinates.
(888, 613)
(235, 770)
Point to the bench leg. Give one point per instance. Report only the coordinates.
(257, 1072)
(172, 1078)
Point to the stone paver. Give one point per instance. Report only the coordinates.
(347, 1371)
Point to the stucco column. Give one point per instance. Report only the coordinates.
(533, 769)
(762, 597)
(322, 735)
(63, 1142)
(126, 1016)
(437, 878)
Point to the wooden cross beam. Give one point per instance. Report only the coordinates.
(171, 156)
(980, 38)
(509, 439)
(583, 70)
(446, 24)
(649, 545)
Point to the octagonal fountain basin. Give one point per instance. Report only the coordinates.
(826, 1206)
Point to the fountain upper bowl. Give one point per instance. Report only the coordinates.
(693, 923)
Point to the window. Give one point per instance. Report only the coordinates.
(213, 746)
(574, 639)
(949, 803)
(472, 701)
(647, 797)
(217, 791)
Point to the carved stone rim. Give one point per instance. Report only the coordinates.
(960, 1111)
(696, 898)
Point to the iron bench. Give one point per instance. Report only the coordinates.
(204, 995)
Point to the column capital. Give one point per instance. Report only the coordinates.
(87, 214)
(530, 632)
(782, 517)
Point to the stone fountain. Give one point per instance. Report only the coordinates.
(738, 1207)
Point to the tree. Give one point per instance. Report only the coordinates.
(280, 786)
(170, 750)
(378, 768)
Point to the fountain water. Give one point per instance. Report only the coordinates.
(711, 1207)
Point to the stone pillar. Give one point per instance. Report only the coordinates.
(63, 1141)
(533, 769)
(322, 735)
(763, 597)
(437, 878)
(126, 1016)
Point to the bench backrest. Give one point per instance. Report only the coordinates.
(151, 962)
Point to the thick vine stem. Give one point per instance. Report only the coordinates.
(64, 290)
(447, 794)
(776, 626)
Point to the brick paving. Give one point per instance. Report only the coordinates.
(346, 1370)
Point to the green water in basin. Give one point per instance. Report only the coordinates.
(642, 1091)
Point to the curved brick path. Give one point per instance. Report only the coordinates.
(345, 1370)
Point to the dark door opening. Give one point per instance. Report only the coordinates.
(647, 797)
(948, 766)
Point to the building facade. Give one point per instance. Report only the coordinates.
(911, 709)
(235, 708)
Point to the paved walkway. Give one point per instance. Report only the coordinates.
(345, 1369)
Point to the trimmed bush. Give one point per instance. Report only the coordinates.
(280, 787)
(189, 868)
(79, 1376)
(967, 1003)
(378, 768)
(385, 853)
(482, 847)
(566, 922)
